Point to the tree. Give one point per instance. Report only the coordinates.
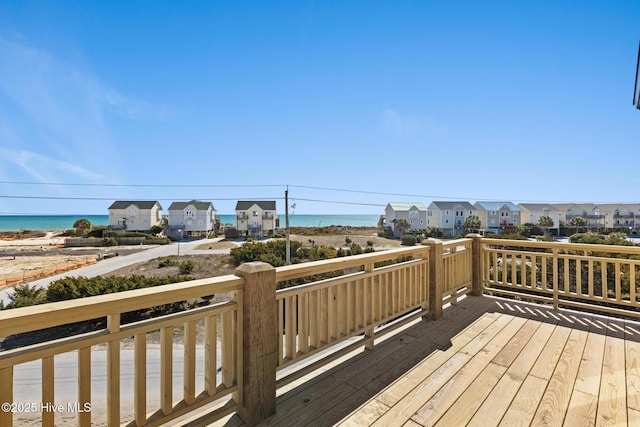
(82, 226)
(578, 221)
(545, 222)
(471, 223)
(402, 225)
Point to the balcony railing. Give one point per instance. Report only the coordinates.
(258, 339)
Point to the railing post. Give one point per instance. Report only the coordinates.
(476, 264)
(436, 277)
(260, 351)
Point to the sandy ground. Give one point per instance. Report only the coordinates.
(27, 259)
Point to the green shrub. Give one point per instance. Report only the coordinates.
(187, 267)
(408, 240)
(97, 232)
(166, 262)
(25, 295)
(155, 230)
(109, 241)
(231, 233)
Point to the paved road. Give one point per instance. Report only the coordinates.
(115, 263)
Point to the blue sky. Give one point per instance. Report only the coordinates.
(382, 100)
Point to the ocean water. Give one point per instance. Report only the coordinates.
(65, 222)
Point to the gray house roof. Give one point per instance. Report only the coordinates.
(496, 206)
(141, 204)
(452, 205)
(201, 206)
(265, 205)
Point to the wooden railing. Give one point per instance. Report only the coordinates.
(221, 319)
(600, 278)
(316, 316)
(259, 339)
(458, 269)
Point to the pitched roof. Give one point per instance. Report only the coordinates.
(538, 206)
(450, 205)
(496, 206)
(141, 204)
(201, 206)
(401, 206)
(265, 205)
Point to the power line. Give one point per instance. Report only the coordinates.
(308, 187)
(84, 184)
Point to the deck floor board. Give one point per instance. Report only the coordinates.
(489, 361)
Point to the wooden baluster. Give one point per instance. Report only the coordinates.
(211, 354)
(113, 372)
(6, 395)
(189, 379)
(140, 379)
(48, 392)
(84, 386)
(166, 370)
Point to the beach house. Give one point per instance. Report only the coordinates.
(131, 215)
(449, 216)
(194, 218)
(414, 213)
(256, 218)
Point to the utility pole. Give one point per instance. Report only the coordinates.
(286, 221)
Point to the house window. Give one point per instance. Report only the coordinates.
(429, 213)
(255, 213)
(493, 221)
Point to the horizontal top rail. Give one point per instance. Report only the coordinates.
(317, 267)
(43, 316)
(631, 250)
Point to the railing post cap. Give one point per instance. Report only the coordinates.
(254, 267)
(431, 241)
(473, 236)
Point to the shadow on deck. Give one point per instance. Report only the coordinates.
(489, 361)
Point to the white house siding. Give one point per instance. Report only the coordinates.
(414, 213)
(450, 216)
(135, 215)
(193, 217)
(256, 218)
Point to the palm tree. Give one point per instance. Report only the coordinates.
(545, 222)
(402, 225)
(82, 226)
(471, 223)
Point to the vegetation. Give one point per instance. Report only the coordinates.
(187, 267)
(545, 222)
(402, 226)
(408, 240)
(70, 288)
(82, 226)
(472, 223)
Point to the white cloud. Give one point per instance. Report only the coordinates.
(57, 115)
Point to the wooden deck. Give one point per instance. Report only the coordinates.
(488, 362)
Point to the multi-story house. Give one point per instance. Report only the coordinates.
(135, 215)
(194, 218)
(256, 218)
(593, 216)
(414, 213)
(623, 217)
(532, 212)
(496, 216)
(449, 216)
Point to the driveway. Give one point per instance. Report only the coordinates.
(115, 263)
